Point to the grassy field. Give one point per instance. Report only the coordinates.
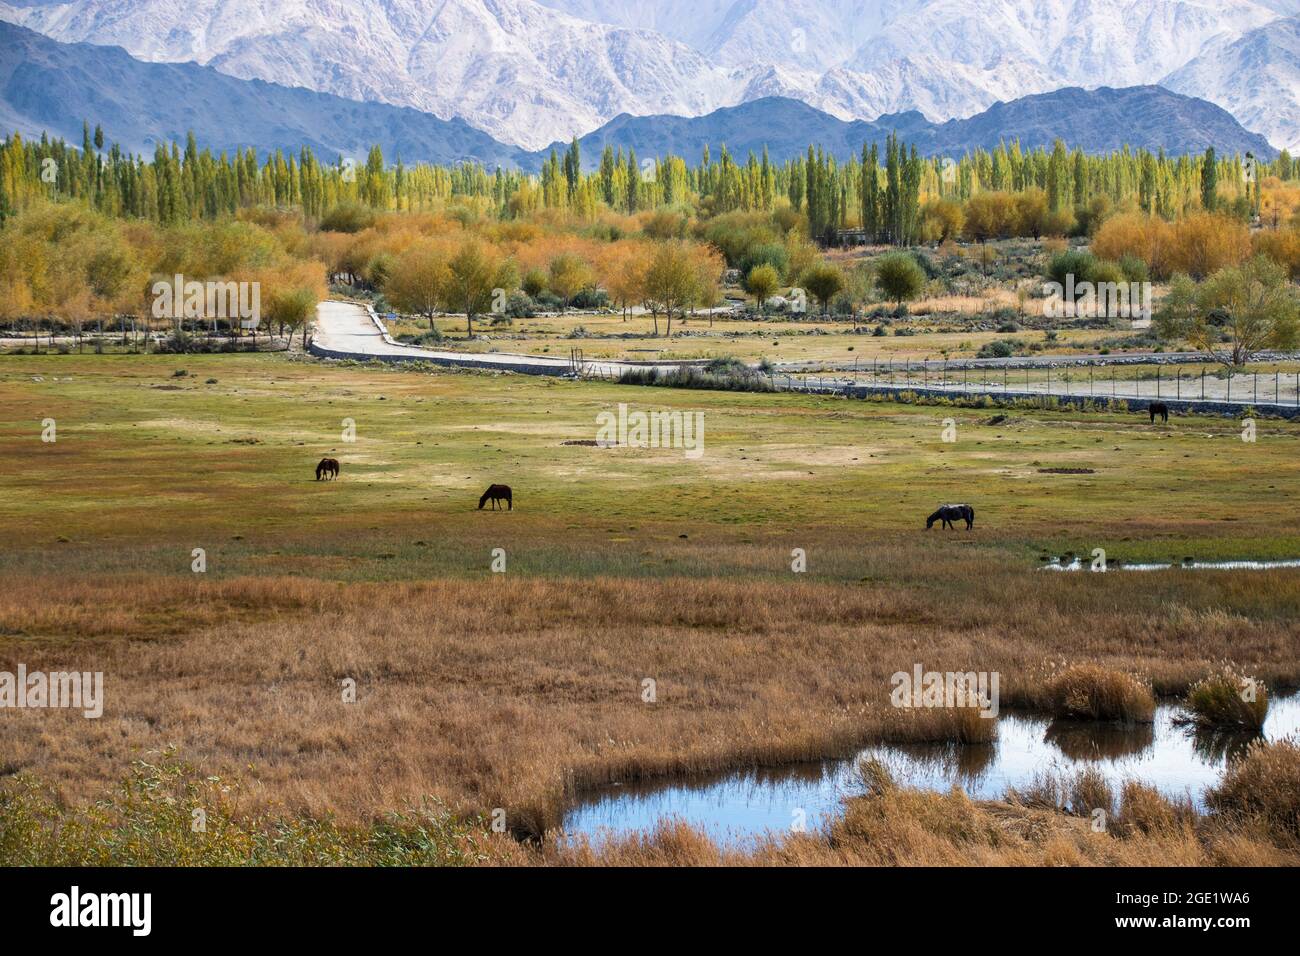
(512, 690)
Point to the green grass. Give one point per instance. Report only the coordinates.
(156, 464)
(167, 813)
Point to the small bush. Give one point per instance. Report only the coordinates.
(1228, 699)
(997, 349)
(1089, 692)
(1265, 786)
(1145, 809)
(687, 376)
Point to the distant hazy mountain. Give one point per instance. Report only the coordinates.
(49, 86)
(533, 71)
(1097, 120)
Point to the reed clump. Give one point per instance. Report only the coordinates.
(1091, 692)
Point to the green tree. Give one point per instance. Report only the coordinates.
(416, 284)
(1210, 180)
(900, 277)
(823, 281)
(1235, 313)
(672, 281)
(469, 282)
(761, 283)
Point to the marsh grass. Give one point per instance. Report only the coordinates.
(1090, 692)
(165, 813)
(961, 725)
(1145, 809)
(1079, 792)
(1227, 699)
(1263, 787)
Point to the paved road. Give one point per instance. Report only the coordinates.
(348, 330)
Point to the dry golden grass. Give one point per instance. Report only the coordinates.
(963, 725)
(1089, 692)
(1147, 810)
(1263, 788)
(516, 692)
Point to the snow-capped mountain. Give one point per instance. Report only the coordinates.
(1255, 77)
(533, 71)
(513, 68)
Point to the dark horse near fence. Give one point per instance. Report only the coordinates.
(497, 493)
(950, 513)
(1161, 409)
(327, 469)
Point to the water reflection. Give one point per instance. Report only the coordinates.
(737, 807)
(1216, 745)
(1090, 741)
(1072, 563)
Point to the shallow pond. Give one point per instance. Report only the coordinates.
(734, 808)
(1077, 564)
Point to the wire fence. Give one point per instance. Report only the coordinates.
(1260, 389)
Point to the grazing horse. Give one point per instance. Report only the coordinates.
(327, 469)
(497, 493)
(1161, 409)
(950, 513)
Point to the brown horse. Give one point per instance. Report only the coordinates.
(950, 513)
(497, 493)
(327, 469)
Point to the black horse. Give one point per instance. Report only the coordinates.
(1161, 409)
(950, 513)
(497, 493)
(328, 469)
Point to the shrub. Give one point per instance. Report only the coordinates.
(590, 298)
(899, 276)
(772, 254)
(1263, 785)
(1147, 810)
(996, 349)
(1090, 692)
(731, 378)
(1081, 265)
(534, 283)
(1134, 269)
(520, 306)
(347, 217)
(1228, 699)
